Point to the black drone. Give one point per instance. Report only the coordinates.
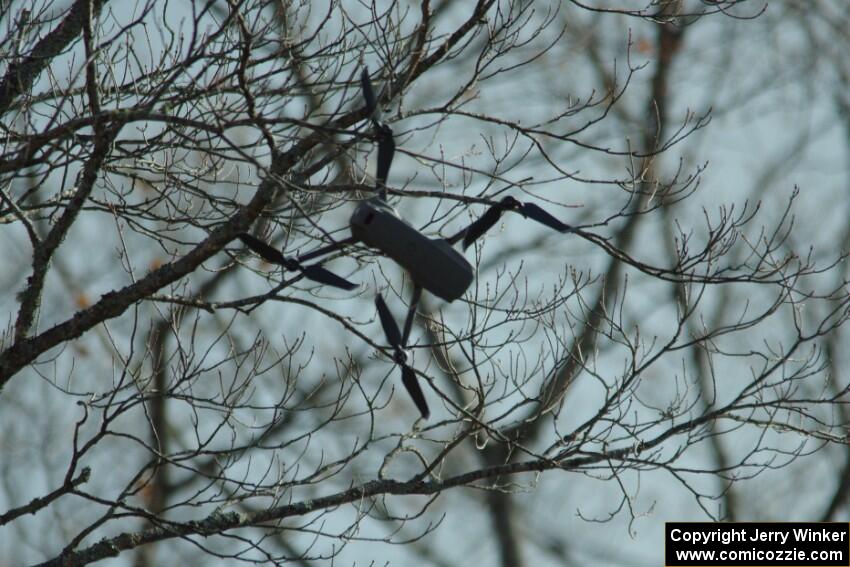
(433, 263)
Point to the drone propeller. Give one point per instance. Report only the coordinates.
(491, 217)
(383, 133)
(314, 272)
(368, 93)
(397, 341)
(386, 151)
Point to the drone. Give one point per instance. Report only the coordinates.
(434, 264)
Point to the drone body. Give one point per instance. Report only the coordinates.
(432, 262)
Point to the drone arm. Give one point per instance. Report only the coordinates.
(333, 247)
(456, 237)
(484, 223)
